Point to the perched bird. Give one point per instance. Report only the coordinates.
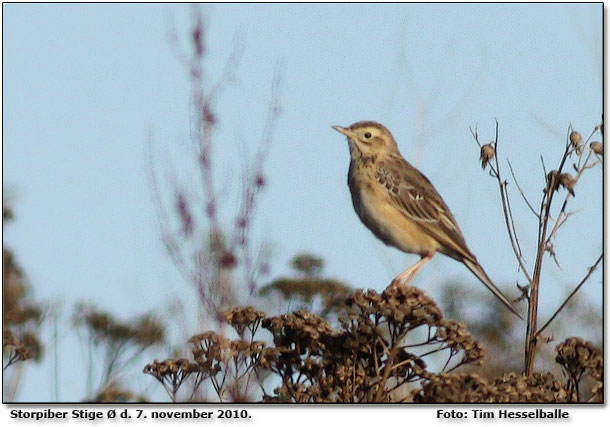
(400, 205)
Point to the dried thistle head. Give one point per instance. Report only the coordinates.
(568, 182)
(576, 140)
(487, 153)
(597, 147)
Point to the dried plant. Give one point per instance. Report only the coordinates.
(510, 388)
(172, 373)
(114, 394)
(579, 358)
(114, 346)
(549, 218)
(499, 330)
(209, 245)
(384, 344)
(21, 317)
(307, 290)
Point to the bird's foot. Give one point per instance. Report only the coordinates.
(398, 281)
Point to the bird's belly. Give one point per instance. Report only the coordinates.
(377, 212)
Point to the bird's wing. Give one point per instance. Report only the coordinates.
(419, 201)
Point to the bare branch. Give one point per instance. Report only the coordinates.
(529, 205)
(582, 282)
(508, 217)
(551, 250)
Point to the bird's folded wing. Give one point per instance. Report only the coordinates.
(417, 199)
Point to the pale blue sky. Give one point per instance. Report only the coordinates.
(85, 85)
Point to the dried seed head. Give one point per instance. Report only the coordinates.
(243, 316)
(576, 139)
(552, 181)
(597, 147)
(578, 357)
(228, 260)
(8, 338)
(487, 153)
(568, 182)
(439, 388)
(446, 388)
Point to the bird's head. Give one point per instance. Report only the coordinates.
(368, 138)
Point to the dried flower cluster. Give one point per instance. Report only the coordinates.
(309, 291)
(579, 358)
(113, 394)
(471, 388)
(576, 141)
(172, 373)
(384, 343)
(487, 153)
(568, 182)
(551, 216)
(308, 264)
(576, 356)
(116, 344)
(304, 292)
(244, 319)
(18, 350)
(597, 147)
(143, 331)
(228, 365)
(20, 317)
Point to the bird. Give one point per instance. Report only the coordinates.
(401, 207)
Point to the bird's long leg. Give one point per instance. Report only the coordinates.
(407, 275)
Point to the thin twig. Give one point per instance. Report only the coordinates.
(582, 282)
(527, 202)
(543, 167)
(512, 234)
(563, 216)
(532, 312)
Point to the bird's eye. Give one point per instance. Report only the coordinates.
(367, 135)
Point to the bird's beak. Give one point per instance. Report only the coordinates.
(344, 131)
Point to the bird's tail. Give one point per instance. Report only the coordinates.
(482, 276)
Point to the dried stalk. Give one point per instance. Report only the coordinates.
(544, 240)
(582, 282)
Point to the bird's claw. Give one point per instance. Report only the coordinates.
(399, 282)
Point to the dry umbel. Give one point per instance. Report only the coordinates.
(382, 351)
(471, 388)
(381, 348)
(579, 358)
